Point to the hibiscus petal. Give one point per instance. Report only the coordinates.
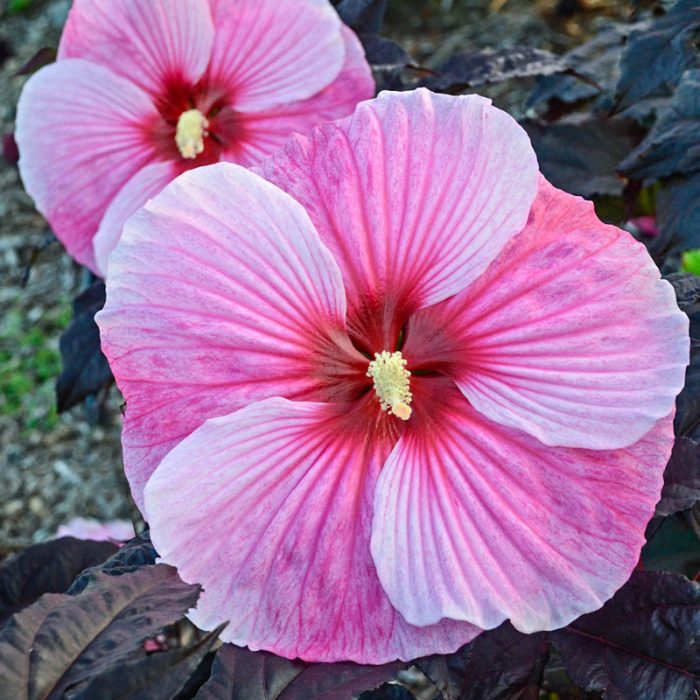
(476, 521)
(415, 194)
(150, 43)
(269, 508)
(570, 335)
(263, 133)
(81, 136)
(270, 52)
(146, 183)
(219, 293)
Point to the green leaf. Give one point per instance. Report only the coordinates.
(690, 261)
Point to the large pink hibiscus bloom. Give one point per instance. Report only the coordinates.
(146, 89)
(440, 391)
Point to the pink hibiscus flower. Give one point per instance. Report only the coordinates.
(144, 90)
(439, 390)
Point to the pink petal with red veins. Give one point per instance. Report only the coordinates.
(570, 335)
(415, 194)
(261, 134)
(149, 42)
(219, 293)
(81, 132)
(270, 53)
(476, 521)
(146, 183)
(270, 510)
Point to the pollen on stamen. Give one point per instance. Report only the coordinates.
(191, 129)
(391, 383)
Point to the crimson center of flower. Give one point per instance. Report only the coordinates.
(391, 383)
(191, 129)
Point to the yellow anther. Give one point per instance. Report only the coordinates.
(191, 129)
(392, 383)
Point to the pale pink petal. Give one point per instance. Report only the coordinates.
(476, 521)
(270, 510)
(91, 529)
(81, 132)
(415, 194)
(146, 183)
(263, 133)
(270, 52)
(153, 43)
(219, 293)
(570, 335)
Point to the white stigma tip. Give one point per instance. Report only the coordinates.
(391, 383)
(191, 129)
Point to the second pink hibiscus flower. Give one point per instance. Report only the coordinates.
(144, 90)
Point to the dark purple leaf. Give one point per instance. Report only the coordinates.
(363, 16)
(447, 671)
(88, 633)
(642, 644)
(198, 678)
(597, 69)
(687, 419)
(673, 144)
(40, 59)
(500, 664)
(474, 68)
(392, 79)
(656, 56)
(382, 53)
(678, 215)
(388, 691)
(16, 639)
(159, 675)
(581, 156)
(693, 519)
(49, 567)
(687, 289)
(672, 545)
(240, 674)
(389, 62)
(134, 555)
(85, 369)
(558, 683)
(681, 478)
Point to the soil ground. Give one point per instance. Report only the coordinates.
(54, 467)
